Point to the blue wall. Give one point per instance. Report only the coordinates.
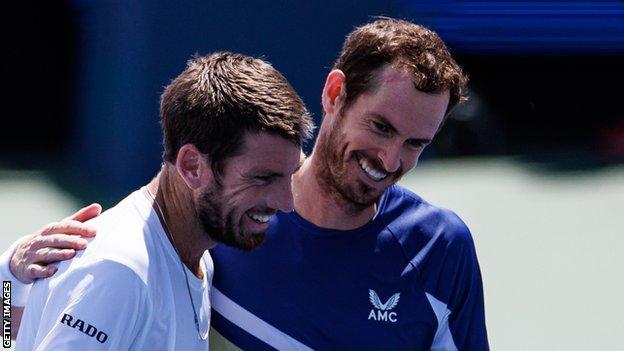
(128, 51)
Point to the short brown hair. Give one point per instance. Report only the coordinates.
(405, 45)
(220, 97)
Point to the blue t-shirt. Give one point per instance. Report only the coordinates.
(407, 280)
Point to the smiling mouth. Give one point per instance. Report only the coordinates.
(371, 171)
(258, 217)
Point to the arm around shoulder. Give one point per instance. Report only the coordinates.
(19, 290)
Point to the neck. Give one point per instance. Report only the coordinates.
(181, 224)
(322, 208)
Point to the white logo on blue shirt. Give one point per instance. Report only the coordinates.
(381, 311)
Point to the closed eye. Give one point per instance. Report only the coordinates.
(263, 178)
(383, 128)
(267, 179)
(417, 143)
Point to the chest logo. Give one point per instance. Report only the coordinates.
(381, 311)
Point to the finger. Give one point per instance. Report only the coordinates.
(48, 255)
(60, 241)
(36, 271)
(70, 227)
(86, 213)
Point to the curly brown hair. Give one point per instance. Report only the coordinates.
(220, 97)
(404, 45)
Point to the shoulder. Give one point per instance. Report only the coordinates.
(100, 276)
(123, 237)
(415, 218)
(96, 288)
(99, 289)
(103, 297)
(434, 240)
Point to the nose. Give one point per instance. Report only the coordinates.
(281, 197)
(390, 157)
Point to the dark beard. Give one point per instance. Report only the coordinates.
(222, 227)
(332, 171)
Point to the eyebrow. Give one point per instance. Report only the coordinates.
(394, 130)
(254, 172)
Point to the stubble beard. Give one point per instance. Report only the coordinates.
(221, 224)
(331, 173)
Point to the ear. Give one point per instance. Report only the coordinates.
(193, 167)
(333, 92)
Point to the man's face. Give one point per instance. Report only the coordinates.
(254, 185)
(378, 138)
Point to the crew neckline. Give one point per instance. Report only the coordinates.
(151, 216)
(312, 228)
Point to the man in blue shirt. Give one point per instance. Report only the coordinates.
(362, 263)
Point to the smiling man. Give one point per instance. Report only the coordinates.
(361, 264)
(143, 283)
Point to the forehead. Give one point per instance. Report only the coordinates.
(265, 150)
(411, 111)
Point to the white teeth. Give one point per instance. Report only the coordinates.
(376, 175)
(260, 218)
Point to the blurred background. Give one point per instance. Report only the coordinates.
(533, 162)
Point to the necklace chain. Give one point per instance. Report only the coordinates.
(203, 336)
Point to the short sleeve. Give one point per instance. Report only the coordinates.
(101, 306)
(452, 280)
(466, 304)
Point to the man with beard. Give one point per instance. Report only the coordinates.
(362, 264)
(231, 146)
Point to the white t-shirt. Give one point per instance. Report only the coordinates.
(126, 291)
(19, 290)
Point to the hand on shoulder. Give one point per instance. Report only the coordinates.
(54, 242)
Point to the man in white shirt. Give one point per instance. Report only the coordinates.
(230, 148)
(383, 102)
